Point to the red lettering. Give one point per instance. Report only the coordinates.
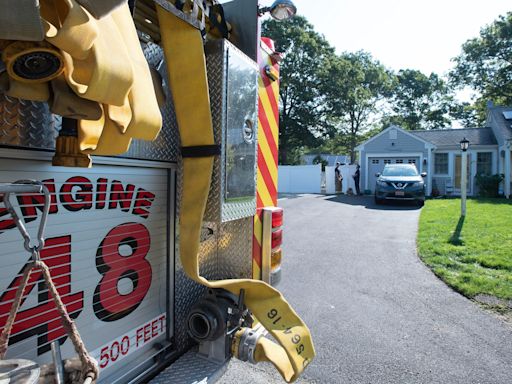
(143, 199)
(101, 193)
(114, 351)
(7, 223)
(154, 328)
(139, 335)
(83, 196)
(44, 319)
(104, 357)
(147, 333)
(125, 345)
(30, 201)
(121, 196)
(108, 303)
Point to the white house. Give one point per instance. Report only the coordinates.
(438, 153)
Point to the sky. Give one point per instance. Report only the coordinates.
(412, 34)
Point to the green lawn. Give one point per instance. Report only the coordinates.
(474, 255)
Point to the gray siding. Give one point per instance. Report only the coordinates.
(402, 143)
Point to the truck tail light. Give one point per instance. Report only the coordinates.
(271, 244)
(277, 238)
(277, 217)
(275, 260)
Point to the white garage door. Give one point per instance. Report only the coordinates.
(376, 165)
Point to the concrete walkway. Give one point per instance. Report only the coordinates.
(377, 314)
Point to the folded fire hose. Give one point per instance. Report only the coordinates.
(183, 49)
(108, 85)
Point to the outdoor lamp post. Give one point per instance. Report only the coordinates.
(464, 145)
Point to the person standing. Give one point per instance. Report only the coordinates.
(338, 178)
(356, 177)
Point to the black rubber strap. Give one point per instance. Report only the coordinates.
(201, 151)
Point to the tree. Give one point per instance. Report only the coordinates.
(419, 101)
(485, 64)
(354, 84)
(302, 114)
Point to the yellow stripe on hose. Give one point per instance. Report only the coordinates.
(183, 48)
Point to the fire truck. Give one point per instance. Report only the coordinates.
(159, 231)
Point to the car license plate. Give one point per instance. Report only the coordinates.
(399, 193)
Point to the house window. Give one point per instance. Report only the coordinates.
(411, 161)
(387, 161)
(375, 161)
(392, 134)
(399, 161)
(441, 164)
(484, 163)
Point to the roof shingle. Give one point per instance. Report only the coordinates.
(504, 126)
(452, 137)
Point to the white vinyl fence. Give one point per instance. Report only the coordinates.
(310, 179)
(299, 178)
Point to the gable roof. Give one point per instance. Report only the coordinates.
(452, 137)
(409, 133)
(503, 126)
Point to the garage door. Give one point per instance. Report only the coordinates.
(376, 165)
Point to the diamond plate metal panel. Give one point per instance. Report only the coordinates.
(30, 124)
(27, 124)
(191, 369)
(225, 252)
(218, 66)
(187, 292)
(235, 249)
(166, 146)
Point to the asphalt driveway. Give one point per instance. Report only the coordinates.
(377, 314)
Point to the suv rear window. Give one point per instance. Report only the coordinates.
(393, 170)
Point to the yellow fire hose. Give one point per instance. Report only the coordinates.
(183, 48)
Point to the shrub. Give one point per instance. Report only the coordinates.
(320, 160)
(488, 185)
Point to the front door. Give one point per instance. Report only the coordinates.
(458, 174)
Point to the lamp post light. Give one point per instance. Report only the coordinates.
(280, 10)
(464, 145)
